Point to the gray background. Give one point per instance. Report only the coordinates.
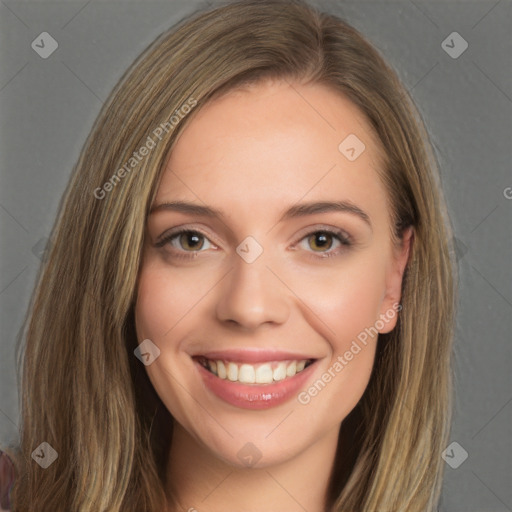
(48, 107)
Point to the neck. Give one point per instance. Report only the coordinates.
(197, 480)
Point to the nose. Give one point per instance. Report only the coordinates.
(252, 296)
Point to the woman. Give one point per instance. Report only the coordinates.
(249, 286)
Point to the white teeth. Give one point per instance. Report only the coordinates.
(247, 374)
(232, 372)
(264, 373)
(291, 369)
(221, 370)
(280, 371)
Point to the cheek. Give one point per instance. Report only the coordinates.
(160, 314)
(347, 299)
(165, 297)
(346, 305)
(152, 315)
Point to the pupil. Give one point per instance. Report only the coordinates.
(321, 241)
(191, 241)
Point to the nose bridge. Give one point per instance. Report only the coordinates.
(251, 295)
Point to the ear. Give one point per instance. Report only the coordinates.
(391, 301)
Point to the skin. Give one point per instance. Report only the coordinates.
(253, 153)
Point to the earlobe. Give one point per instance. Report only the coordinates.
(394, 280)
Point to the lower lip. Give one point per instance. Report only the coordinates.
(253, 396)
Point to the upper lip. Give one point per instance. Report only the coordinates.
(251, 355)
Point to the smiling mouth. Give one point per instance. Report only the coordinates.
(262, 373)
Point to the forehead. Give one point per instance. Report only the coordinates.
(273, 144)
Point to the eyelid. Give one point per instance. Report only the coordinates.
(164, 237)
(341, 233)
(343, 237)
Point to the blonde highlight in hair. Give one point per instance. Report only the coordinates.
(100, 412)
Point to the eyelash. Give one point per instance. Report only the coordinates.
(343, 238)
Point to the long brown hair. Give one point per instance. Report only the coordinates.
(82, 389)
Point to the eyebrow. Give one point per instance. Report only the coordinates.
(298, 210)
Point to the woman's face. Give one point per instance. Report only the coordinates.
(268, 270)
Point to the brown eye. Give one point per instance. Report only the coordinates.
(320, 241)
(186, 240)
(191, 241)
(185, 243)
(323, 243)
